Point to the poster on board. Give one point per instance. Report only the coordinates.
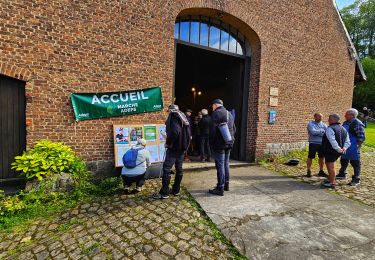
(150, 133)
(126, 136)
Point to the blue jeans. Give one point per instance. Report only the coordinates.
(222, 167)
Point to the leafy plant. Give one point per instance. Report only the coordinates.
(47, 158)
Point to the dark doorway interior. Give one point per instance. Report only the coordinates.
(12, 124)
(216, 75)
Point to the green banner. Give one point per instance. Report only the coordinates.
(89, 106)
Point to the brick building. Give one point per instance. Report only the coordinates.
(292, 57)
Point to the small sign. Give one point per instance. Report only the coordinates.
(274, 101)
(274, 91)
(272, 117)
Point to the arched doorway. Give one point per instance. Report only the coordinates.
(212, 59)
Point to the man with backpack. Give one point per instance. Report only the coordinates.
(136, 160)
(177, 142)
(221, 139)
(356, 131)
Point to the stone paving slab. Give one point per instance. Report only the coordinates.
(365, 193)
(119, 227)
(269, 216)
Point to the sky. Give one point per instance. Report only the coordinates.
(343, 3)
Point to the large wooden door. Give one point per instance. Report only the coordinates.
(12, 124)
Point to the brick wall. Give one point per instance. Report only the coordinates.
(60, 47)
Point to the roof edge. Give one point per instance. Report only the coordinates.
(360, 75)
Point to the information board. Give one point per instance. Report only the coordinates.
(126, 136)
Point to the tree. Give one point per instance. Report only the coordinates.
(364, 93)
(359, 19)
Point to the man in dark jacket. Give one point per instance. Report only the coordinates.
(204, 129)
(221, 149)
(177, 142)
(335, 143)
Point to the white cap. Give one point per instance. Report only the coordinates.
(141, 141)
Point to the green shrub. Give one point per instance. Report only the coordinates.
(47, 158)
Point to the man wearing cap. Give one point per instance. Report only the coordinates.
(221, 149)
(204, 129)
(177, 142)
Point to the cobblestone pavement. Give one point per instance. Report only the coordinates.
(364, 193)
(120, 227)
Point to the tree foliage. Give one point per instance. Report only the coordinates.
(359, 19)
(364, 93)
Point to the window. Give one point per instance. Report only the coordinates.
(211, 33)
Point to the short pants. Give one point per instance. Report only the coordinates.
(331, 157)
(315, 149)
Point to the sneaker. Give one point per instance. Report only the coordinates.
(158, 196)
(226, 187)
(354, 183)
(216, 191)
(308, 175)
(341, 176)
(126, 189)
(138, 189)
(175, 193)
(322, 174)
(327, 184)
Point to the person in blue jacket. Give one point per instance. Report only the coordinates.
(356, 130)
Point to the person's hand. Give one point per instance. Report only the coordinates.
(343, 150)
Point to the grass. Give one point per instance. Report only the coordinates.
(370, 135)
(216, 233)
(18, 221)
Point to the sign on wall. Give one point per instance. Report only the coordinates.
(89, 106)
(126, 136)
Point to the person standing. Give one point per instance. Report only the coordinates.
(316, 130)
(190, 150)
(366, 116)
(357, 136)
(177, 142)
(137, 174)
(221, 148)
(335, 143)
(204, 129)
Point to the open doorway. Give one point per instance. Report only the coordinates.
(201, 75)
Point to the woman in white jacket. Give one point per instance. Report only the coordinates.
(137, 174)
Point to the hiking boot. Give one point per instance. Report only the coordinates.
(226, 187)
(308, 175)
(341, 176)
(216, 191)
(322, 174)
(126, 189)
(158, 196)
(354, 183)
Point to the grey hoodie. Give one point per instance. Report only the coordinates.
(316, 132)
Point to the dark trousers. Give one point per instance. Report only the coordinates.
(205, 147)
(175, 158)
(356, 164)
(139, 180)
(222, 167)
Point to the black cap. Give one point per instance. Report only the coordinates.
(189, 110)
(218, 101)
